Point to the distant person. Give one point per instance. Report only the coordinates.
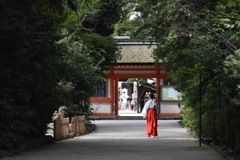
(150, 114)
(123, 98)
(134, 100)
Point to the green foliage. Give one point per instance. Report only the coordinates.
(129, 20)
(189, 119)
(140, 81)
(198, 42)
(27, 42)
(103, 49)
(46, 61)
(125, 27)
(103, 17)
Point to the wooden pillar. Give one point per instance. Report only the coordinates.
(112, 92)
(158, 90)
(158, 84)
(112, 95)
(158, 94)
(116, 96)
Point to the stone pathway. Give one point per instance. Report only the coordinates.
(125, 140)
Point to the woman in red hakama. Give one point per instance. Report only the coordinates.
(150, 114)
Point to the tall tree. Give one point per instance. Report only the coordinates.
(46, 61)
(103, 17)
(29, 58)
(196, 38)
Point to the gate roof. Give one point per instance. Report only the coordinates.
(135, 51)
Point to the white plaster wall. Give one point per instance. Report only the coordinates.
(108, 88)
(162, 72)
(101, 107)
(161, 82)
(169, 107)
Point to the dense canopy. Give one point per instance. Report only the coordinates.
(53, 52)
(198, 44)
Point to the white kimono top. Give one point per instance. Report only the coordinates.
(149, 104)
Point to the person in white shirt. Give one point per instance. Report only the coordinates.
(123, 98)
(134, 100)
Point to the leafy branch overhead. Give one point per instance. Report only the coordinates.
(198, 38)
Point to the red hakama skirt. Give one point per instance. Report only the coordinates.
(152, 122)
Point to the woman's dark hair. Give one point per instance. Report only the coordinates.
(151, 95)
